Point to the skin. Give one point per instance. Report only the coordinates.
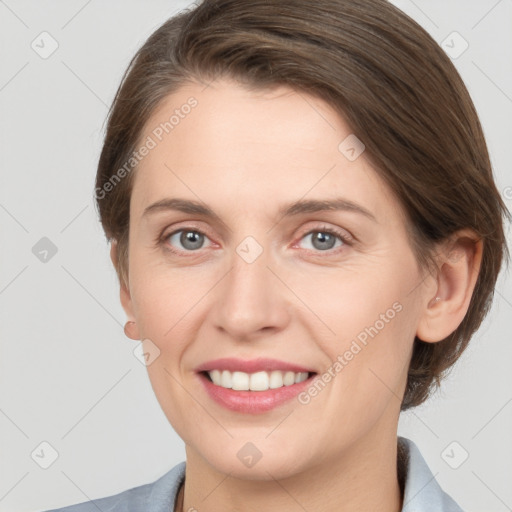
(244, 154)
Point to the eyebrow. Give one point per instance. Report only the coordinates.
(292, 209)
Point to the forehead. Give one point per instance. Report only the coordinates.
(225, 142)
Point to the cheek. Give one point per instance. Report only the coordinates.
(352, 303)
(369, 378)
(374, 321)
(164, 298)
(166, 307)
(374, 360)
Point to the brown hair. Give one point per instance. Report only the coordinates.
(391, 82)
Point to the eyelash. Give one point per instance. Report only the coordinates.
(347, 241)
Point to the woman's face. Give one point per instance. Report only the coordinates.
(332, 291)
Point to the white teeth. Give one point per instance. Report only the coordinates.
(240, 381)
(260, 381)
(215, 375)
(225, 379)
(289, 378)
(276, 380)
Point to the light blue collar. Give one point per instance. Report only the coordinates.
(422, 493)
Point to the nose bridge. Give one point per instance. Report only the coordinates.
(251, 298)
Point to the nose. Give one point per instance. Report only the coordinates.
(251, 301)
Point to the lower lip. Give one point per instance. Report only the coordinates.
(253, 402)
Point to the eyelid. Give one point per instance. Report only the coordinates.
(346, 237)
(188, 226)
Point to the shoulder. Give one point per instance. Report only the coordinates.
(422, 492)
(157, 496)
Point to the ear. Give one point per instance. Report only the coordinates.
(459, 266)
(131, 330)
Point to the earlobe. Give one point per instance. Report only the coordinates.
(459, 266)
(130, 329)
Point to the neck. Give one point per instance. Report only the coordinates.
(364, 477)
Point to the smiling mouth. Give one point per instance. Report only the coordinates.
(259, 381)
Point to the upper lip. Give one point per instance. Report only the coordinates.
(251, 366)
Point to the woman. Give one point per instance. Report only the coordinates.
(307, 233)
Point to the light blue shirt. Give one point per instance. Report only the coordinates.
(422, 493)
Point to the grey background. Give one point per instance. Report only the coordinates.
(68, 375)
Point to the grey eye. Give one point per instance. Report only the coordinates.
(190, 240)
(322, 240)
